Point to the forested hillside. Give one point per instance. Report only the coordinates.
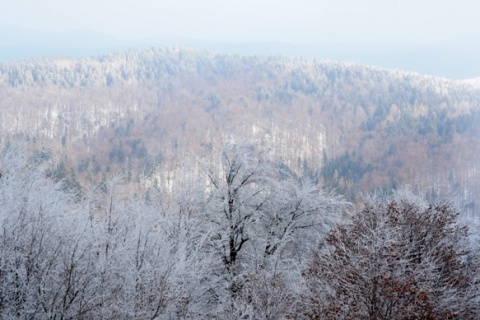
(154, 114)
(178, 184)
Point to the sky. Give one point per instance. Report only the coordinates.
(290, 21)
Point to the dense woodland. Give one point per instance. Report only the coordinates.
(149, 113)
(256, 243)
(180, 184)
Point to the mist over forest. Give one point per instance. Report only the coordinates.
(179, 183)
(456, 58)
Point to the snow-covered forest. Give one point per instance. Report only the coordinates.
(241, 160)
(151, 113)
(248, 241)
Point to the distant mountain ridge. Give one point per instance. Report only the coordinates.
(475, 82)
(456, 59)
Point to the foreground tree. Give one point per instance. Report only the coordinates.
(398, 259)
(46, 265)
(103, 257)
(261, 222)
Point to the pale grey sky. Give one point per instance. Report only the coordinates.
(294, 21)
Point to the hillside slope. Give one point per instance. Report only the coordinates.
(154, 113)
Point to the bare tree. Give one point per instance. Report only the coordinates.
(46, 268)
(108, 257)
(233, 250)
(400, 258)
(236, 202)
(262, 221)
